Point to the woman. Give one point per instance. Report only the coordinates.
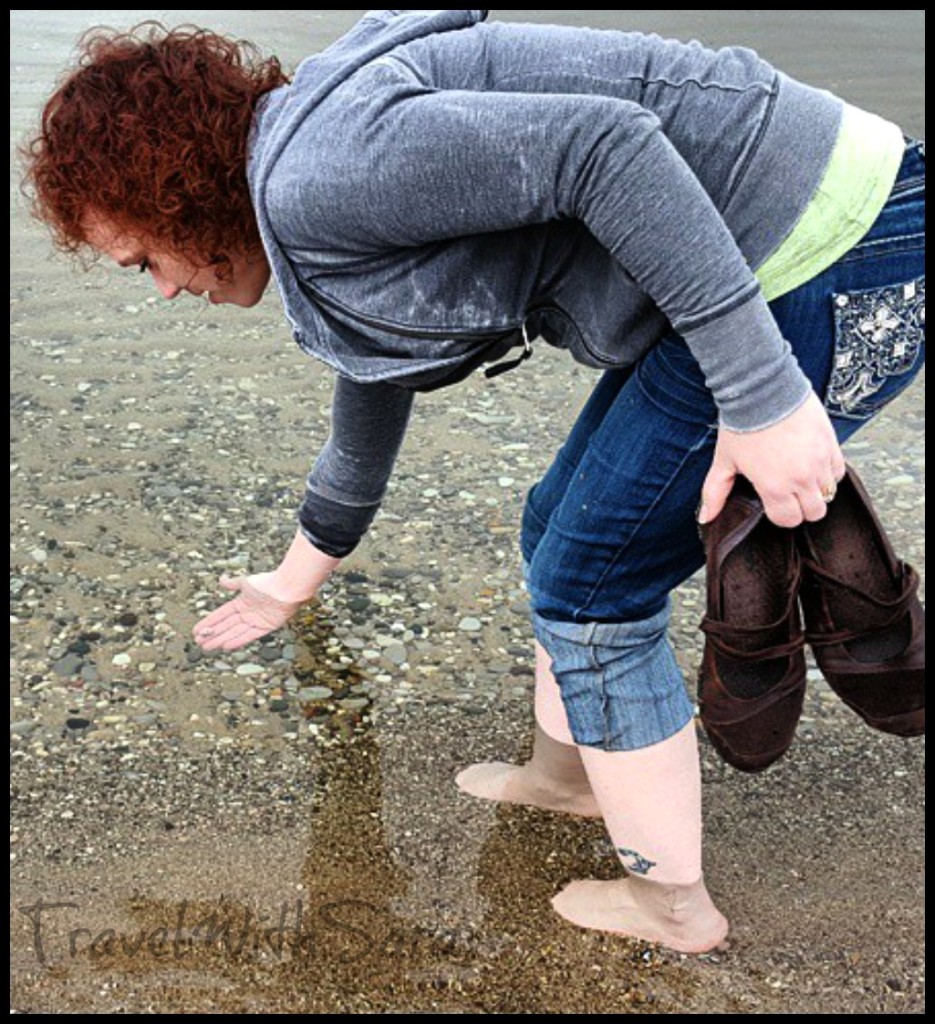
(432, 192)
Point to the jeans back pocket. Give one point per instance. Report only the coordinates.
(879, 346)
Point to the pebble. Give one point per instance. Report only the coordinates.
(396, 653)
(353, 703)
(249, 668)
(69, 665)
(469, 624)
(121, 659)
(308, 693)
(39, 555)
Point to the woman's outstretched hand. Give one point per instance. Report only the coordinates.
(254, 612)
(266, 601)
(794, 466)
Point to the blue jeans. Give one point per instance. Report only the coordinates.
(610, 530)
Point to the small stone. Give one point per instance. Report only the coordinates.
(127, 619)
(77, 724)
(279, 704)
(70, 665)
(314, 693)
(249, 668)
(353, 703)
(121, 659)
(23, 728)
(469, 624)
(39, 555)
(270, 653)
(396, 653)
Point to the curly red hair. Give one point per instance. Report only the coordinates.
(150, 130)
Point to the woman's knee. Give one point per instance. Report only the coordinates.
(620, 684)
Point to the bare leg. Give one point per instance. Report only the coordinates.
(554, 778)
(651, 803)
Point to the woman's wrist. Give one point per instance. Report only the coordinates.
(303, 570)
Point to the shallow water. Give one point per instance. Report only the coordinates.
(210, 818)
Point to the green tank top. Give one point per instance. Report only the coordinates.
(853, 190)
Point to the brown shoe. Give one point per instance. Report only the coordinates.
(752, 680)
(863, 616)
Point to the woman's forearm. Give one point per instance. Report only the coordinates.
(302, 571)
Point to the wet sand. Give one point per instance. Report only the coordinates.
(279, 831)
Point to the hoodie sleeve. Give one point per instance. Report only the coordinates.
(434, 164)
(348, 480)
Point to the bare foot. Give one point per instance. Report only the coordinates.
(522, 784)
(681, 917)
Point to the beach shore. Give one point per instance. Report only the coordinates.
(278, 830)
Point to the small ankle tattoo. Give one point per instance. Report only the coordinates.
(640, 865)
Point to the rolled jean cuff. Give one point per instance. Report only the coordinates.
(620, 684)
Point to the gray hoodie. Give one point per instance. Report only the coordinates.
(433, 190)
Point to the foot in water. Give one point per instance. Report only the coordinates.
(553, 779)
(681, 917)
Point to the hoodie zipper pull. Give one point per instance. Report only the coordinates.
(510, 364)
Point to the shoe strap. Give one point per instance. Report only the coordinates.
(892, 610)
(721, 635)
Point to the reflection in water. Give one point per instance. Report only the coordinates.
(415, 898)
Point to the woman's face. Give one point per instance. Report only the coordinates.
(173, 274)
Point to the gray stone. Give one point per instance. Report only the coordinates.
(314, 693)
(69, 665)
(249, 668)
(396, 653)
(469, 624)
(23, 728)
(353, 703)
